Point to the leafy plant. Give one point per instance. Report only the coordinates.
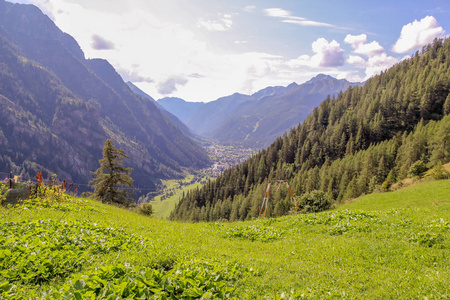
(191, 279)
(36, 252)
(427, 239)
(257, 232)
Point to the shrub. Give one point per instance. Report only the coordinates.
(146, 209)
(439, 172)
(417, 169)
(315, 201)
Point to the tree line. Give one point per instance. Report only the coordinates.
(366, 138)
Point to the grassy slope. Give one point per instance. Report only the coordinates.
(382, 246)
(416, 196)
(162, 209)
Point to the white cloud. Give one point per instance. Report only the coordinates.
(358, 42)
(223, 23)
(100, 43)
(377, 64)
(355, 40)
(289, 18)
(370, 49)
(170, 85)
(163, 55)
(357, 61)
(328, 54)
(280, 13)
(249, 8)
(133, 75)
(308, 23)
(417, 34)
(377, 59)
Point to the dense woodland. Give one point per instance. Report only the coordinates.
(365, 139)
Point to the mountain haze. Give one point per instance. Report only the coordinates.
(179, 107)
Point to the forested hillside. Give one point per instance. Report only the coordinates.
(364, 139)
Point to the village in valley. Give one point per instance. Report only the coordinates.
(224, 157)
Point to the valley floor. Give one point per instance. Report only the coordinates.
(381, 246)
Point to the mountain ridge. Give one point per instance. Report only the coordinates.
(79, 91)
(258, 119)
(164, 111)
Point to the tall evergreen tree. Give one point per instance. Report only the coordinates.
(447, 105)
(112, 176)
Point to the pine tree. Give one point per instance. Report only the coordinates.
(111, 176)
(447, 105)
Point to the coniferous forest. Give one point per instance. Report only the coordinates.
(366, 139)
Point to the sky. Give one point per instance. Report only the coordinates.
(201, 50)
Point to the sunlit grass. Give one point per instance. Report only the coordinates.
(163, 208)
(382, 246)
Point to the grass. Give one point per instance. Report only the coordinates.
(162, 208)
(416, 196)
(382, 246)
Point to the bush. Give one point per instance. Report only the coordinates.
(439, 172)
(315, 201)
(146, 209)
(417, 169)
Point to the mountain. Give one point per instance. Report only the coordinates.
(179, 107)
(273, 111)
(366, 139)
(208, 116)
(165, 112)
(58, 108)
(255, 120)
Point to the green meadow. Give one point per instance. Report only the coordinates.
(381, 246)
(162, 208)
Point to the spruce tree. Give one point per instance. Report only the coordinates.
(111, 178)
(447, 105)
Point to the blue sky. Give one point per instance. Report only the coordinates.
(200, 50)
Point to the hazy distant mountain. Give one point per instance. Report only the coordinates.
(57, 108)
(140, 92)
(182, 109)
(208, 117)
(256, 120)
(165, 112)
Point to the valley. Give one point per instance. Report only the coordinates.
(109, 193)
(224, 157)
(171, 191)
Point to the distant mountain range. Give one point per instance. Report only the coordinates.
(179, 107)
(58, 108)
(164, 111)
(255, 120)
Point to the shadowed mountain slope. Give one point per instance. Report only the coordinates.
(66, 106)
